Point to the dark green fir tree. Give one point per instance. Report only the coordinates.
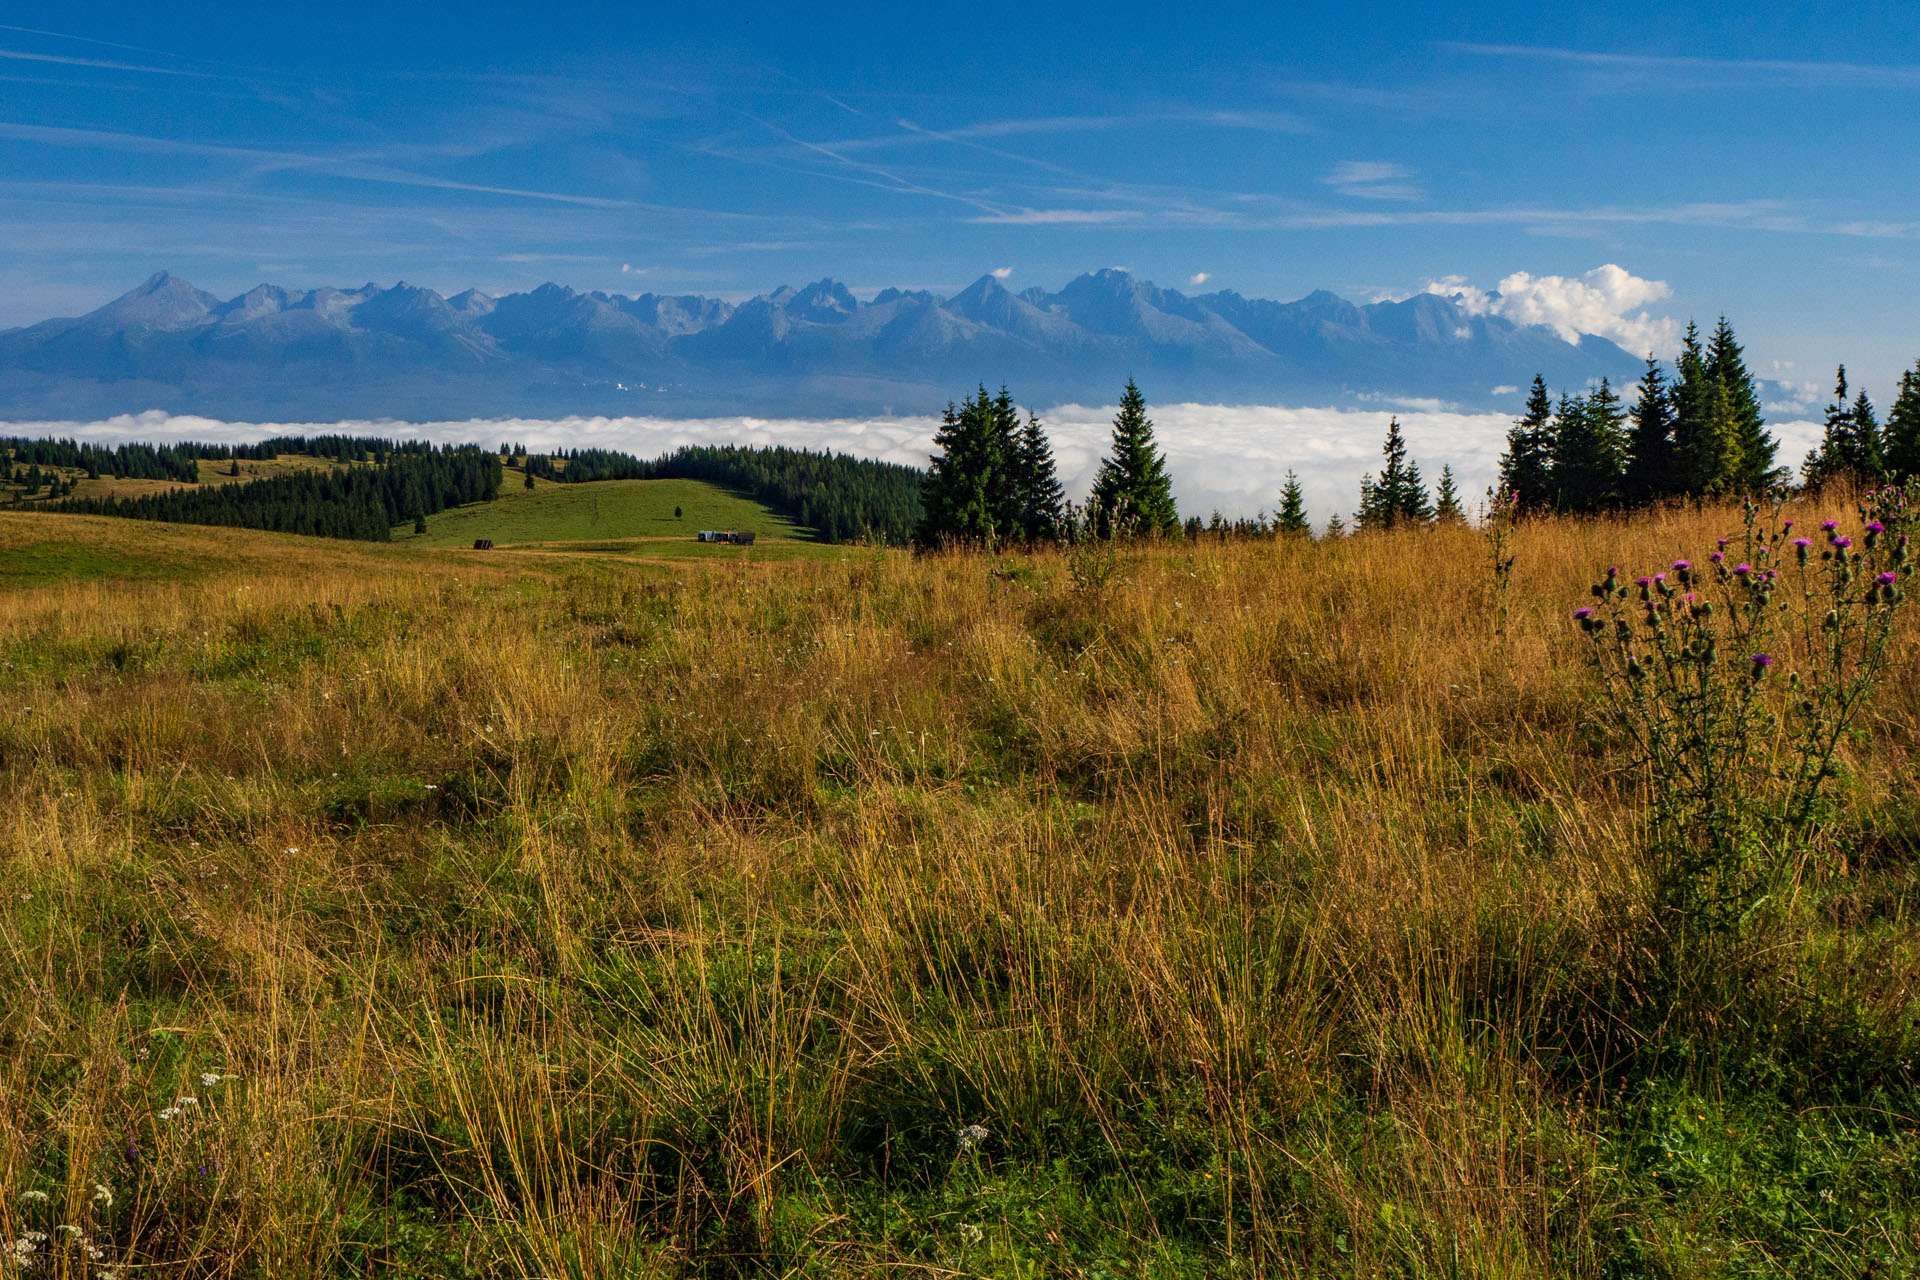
(1446, 500)
(1526, 469)
(1726, 365)
(1902, 435)
(1291, 519)
(1590, 446)
(1651, 472)
(1131, 492)
(1043, 503)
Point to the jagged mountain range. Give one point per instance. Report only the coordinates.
(407, 352)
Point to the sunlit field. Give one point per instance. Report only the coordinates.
(1260, 908)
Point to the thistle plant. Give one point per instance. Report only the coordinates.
(1736, 680)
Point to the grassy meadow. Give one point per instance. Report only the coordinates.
(634, 517)
(1255, 909)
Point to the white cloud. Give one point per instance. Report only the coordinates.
(1373, 180)
(1199, 278)
(1229, 458)
(1232, 458)
(1504, 389)
(1608, 301)
(1001, 273)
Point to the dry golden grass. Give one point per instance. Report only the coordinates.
(549, 918)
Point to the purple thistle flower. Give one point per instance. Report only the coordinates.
(1761, 661)
(1843, 543)
(1803, 542)
(1874, 526)
(1659, 577)
(1681, 566)
(1743, 568)
(1887, 579)
(1723, 544)
(1829, 525)
(1643, 582)
(1717, 557)
(1582, 613)
(1787, 525)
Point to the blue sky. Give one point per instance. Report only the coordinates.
(1756, 160)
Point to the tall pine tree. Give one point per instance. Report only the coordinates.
(1042, 501)
(964, 497)
(1590, 451)
(1850, 445)
(1526, 469)
(1291, 519)
(1397, 496)
(1131, 492)
(1726, 365)
(1446, 501)
(1902, 436)
(1651, 471)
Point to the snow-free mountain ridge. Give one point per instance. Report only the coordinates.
(406, 352)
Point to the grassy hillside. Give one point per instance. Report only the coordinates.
(106, 486)
(1202, 910)
(602, 512)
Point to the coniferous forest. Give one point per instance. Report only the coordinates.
(409, 482)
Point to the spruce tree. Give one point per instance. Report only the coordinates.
(1651, 470)
(1043, 503)
(1902, 436)
(1009, 487)
(529, 476)
(1713, 464)
(1397, 495)
(1291, 519)
(1726, 365)
(1132, 488)
(1526, 469)
(1590, 451)
(1446, 505)
(1870, 458)
(965, 487)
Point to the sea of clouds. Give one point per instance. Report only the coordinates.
(1229, 458)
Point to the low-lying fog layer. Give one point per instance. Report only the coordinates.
(1227, 458)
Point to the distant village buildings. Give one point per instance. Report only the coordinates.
(736, 537)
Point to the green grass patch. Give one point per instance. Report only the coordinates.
(605, 511)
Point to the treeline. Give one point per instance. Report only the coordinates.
(993, 481)
(1856, 445)
(842, 498)
(1697, 433)
(363, 502)
(126, 461)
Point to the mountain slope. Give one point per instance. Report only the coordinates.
(408, 352)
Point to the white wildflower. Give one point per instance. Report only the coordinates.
(102, 1196)
(971, 1234)
(34, 1197)
(208, 1079)
(972, 1136)
(167, 1113)
(186, 1100)
(68, 1230)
